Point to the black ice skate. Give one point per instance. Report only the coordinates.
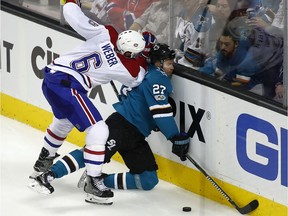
(42, 182)
(43, 163)
(97, 192)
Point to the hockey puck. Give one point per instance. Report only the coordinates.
(186, 209)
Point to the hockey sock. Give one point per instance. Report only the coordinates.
(68, 164)
(144, 181)
(122, 181)
(56, 134)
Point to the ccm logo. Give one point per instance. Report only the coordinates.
(262, 148)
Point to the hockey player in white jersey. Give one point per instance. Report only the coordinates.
(103, 57)
(140, 111)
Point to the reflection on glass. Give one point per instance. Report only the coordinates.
(238, 41)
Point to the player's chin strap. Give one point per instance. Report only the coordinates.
(161, 64)
(161, 67)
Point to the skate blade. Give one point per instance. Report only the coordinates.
(35, 174)
(82, 180)
(35, 186)
(99, 200)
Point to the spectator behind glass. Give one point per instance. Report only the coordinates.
(191, 30)
(279, 88)
(260, 58)
(193, 34)
(228, 57)
(99, 9)
(265, 54)
(252, 8)
(156, 19)
(120, 13)
(220, 12)
(200, 43)
(272, 4)
(276, 29)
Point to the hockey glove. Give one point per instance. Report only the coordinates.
(128, 19)
(125, 90)
(78, 2)
(180, 145)
(150, 41)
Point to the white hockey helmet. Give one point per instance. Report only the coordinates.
(130, 41)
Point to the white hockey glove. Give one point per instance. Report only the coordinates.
(125, 90)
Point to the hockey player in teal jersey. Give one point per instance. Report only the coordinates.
(141, 110)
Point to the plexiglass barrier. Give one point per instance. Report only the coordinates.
(242, 42)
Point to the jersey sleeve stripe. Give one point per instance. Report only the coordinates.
(158, 106)
(163, 115)
(159, 111)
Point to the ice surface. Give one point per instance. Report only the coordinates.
(20, 146)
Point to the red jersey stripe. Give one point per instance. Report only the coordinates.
(94, 152)
(55, 136)
(84, 107)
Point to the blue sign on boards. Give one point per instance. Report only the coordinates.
(274, 153)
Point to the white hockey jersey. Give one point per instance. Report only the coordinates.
(95, 61)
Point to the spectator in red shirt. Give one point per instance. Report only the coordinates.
(121, 13)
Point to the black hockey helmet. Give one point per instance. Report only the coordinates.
(160, 52)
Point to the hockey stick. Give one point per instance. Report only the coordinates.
(206, 8)
(115, 90)
(244, 210)
(203, 14)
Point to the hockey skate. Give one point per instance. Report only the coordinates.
(81, 182)
(82, 179)
(41, 183)
(97, 192)
(43, 163)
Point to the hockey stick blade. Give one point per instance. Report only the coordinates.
(248, 208)
(244, 210)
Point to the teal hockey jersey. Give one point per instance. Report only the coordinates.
(146, 106)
